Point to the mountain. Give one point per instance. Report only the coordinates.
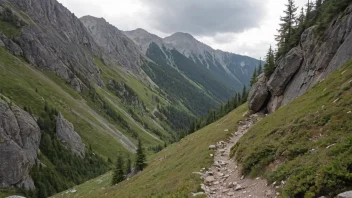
(119, 49)
(76, 93)
(293, 136)
(231, 68)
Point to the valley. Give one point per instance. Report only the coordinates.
(89, 110)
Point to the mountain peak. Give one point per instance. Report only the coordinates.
(187, 44)
(181, 35)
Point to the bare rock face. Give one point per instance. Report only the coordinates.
(309, 63)
(10, 45)
(19, 146)
(286, 68)
(119, 49)
(345, 195)
(54, 39)
(68, 136)
(258, 94)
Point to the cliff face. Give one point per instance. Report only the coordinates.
(308, 64)
(52, 38)
(19, 146)
(118, 48)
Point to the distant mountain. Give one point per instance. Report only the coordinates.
(118, 48)
(233, 69)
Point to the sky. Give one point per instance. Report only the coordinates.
(245, 27)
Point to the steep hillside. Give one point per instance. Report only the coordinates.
(319, 52)
(119, 49)
(76, 93)
(169, 173)
(306, 144)
(235, 69)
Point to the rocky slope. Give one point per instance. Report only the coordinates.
(116, 45)
(19, 146)
(68, 136)
(53, 39)
(305, 65)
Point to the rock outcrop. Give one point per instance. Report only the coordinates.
(345, 195)
(19, 146)
(119, 49)
(54, 39)
(307, 64)
(68, 136)
(258, 94)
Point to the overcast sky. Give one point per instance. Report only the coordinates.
(244, 27)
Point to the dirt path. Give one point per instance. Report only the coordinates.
(224, 179)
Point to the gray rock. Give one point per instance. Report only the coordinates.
(2, 44)
(19, 146)
(77, 85)
(274, 103)
(116, 45)
(321, 58)
(68, 136)
(10, 45)
(258, 94)
(56, 40)
(307, 64)
(347, 194)
(286, 68)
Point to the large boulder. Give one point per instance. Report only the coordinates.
(345, 195)
(258, 94)
(286, 68)
(68, 136)
(19, 146)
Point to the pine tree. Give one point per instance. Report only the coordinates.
(269, 66)
(260, 68)
(118, 175)
(244, 95)
(254, 77)
(141, 159)
(128, 165)
(287, 26)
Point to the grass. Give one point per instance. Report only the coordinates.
(169, 173)
(9, 30)
(307, 143)
(29, 87)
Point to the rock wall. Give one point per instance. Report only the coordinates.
(54, 39)
(19, 146)
(68, 136)
(307, 64)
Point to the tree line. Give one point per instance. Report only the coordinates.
(214, 115)
(318, 13)
(59, 169)
(123, 168)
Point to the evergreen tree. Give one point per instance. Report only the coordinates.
(287, 26)
(141, 159)
(260, 68)
(254, 77)
(118, 175)
(269, 66)
(128, 166)
(244, 95)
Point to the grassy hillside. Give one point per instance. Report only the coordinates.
(29, 87)
(169, 173)
(308, 143)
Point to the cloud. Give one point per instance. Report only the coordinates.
(206, 17)
(239, 26)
